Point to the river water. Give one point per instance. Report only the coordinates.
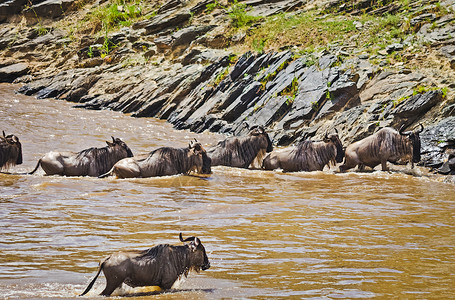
(267, 234)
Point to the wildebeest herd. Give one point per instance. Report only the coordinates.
(162, 265)
(254, 150)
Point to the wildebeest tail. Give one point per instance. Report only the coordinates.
(36, 168)
(89, 287)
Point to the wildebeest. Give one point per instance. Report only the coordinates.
(385, 145)
(10, 151)
(90, 162)
(306, 156)
(240, 152)
(159, 266)
(164, 161)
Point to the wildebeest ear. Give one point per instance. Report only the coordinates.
(109, 144)
(195, 244)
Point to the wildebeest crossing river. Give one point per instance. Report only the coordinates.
(267, 234)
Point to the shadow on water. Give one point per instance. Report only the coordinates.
(172, 291)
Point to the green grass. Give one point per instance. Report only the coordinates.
(303, 29)
(117, 14)
(239, 15)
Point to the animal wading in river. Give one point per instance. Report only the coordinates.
(10, 151)
(90, 162)
(159, 266)
(306, 156)
(385, 145)
(164, 161)
(240, 152)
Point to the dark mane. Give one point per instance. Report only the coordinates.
(9, 154)
(101, 158)
(178, 256)
(242, 147)
(178, 156)
(308, 153)
(389, 138)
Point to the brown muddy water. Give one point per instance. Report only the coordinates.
(267, 234)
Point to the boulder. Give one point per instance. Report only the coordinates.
(48, 9)
(166, 21)
(187, 35)
(11, 72)
(10, 7)
(437, 141)
(169, 5)
(415, 107)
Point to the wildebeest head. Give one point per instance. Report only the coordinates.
(259, 131)
(333, 138)
(15, 146)
(414, 137)
(118, 144)
(202, 161)
(198, 257)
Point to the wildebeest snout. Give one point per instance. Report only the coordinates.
(205, 266)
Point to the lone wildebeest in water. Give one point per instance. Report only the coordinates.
(241, 151)
(159, 266)
(385, 145)
(10, 151)
(164, 161)
(90, 162)
(306, 156)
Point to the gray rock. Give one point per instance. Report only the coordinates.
(165, 21)
(163, 43)
(11, 72)
(187, 35)
(394, 47)
(10, 7)
(343, 94)
(169, 5)
(437, 140)
(47, 9)
(428, 17)
(416, 106)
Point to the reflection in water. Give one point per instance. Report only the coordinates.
(267, 234)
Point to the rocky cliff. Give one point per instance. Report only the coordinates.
(299, 68)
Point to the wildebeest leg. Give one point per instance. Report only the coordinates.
(384, 165)
(348, 163)
(361, 167)
(112, 282)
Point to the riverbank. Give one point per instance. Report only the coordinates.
(216, 65)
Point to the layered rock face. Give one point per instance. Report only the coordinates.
(176, 65)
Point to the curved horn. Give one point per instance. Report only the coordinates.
(421, 129)
(187, 239)
(336, 130)
(254, 127)
(4, 135)
(113, 139)
(401, 130)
